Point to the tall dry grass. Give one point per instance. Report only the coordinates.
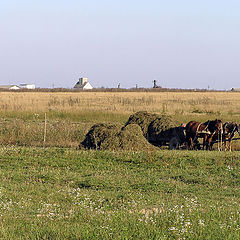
(225, 103)
(83, 109)
(31, 133)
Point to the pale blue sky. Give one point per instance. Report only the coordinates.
(182, 44)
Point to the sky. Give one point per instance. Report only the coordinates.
(181, 44)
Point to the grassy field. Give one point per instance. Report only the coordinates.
(59, 193)
(71, 114)
(50, 190)
(72, 105)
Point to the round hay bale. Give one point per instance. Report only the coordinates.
(102, 136)
(143, 119)
(131, 138)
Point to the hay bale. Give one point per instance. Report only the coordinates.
(140, 127)
(160, 128)
(114, 137)
(131, 138)
(160, 124)
(102, 136)
(143, 119)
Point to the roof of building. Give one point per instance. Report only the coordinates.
(26, 84)
(8, 86)
(83, 86)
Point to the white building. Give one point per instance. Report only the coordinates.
(83, 84)
(9, 87)
(27, 86)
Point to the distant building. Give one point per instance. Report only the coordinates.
(235, 89)
(27, 86)
(155, 84)
(83, 84)
(9, 87)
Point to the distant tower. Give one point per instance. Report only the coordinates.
(82, 81)
(136, 86)
(119, 85)
(154, 83)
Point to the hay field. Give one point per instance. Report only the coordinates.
(71, 114)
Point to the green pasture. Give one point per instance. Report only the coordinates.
(63, 193)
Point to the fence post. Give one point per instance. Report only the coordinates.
(45, 129)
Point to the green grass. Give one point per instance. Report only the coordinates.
(59, 193)
(64, 129)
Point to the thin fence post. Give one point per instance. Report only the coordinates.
(45, 129)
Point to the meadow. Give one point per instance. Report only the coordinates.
(71, 114)
(59, 193)
(52, 190)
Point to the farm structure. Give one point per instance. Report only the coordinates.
(235, 89)
(17, 87)
(9, 87)
(83, 84)
(27, 86)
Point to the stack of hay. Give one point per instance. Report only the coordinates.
(160, 129)
(102, 136)
(114, 137)
(154, 126)
(143, 119)
(141, 129)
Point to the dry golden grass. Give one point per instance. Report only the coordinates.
(182, 103)
(20, 109)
